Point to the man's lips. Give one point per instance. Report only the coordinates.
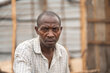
(50, 42)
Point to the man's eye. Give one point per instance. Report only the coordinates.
(44, 29)
(55, 29)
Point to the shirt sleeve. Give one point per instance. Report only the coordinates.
(21, 62)
(67, 70)
(67, 65)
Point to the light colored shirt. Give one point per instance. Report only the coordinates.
(29, 59)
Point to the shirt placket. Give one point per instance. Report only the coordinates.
(53, 62)
(46, 64)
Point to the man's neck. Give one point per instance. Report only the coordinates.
(47, 50)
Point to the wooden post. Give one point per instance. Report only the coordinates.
(107, 10)
(13, 2)
(99, 29)
(95, 38)
(63, 17)
(45, 5)
(83, 32)
(32, 16)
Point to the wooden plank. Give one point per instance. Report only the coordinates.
(33, 17)
(98, 43)
(42, 5)
(97, 57)
(13, 2)
(108, 33)
(99, 13)
(45, 5)
(107, 10)
(98, 20)
(83, 32)
(91, 64)
(90, 26)
(108, 58)
(63, 19)
(88, 71)
(98, 29)
(103, 59)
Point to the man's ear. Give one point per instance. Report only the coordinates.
(61, 28)
(36, 28)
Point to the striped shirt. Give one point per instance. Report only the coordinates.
(29, 59)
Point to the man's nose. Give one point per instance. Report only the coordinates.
(50, 33)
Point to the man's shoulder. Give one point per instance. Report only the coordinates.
(61, 48)
(26, 45)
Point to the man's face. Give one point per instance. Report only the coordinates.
(49, 30)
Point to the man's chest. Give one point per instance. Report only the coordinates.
(49, 57)
(40, 64)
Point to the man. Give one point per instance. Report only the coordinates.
(43, 54)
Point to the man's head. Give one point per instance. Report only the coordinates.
(48, 13)
(48, 28)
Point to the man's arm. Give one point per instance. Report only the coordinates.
(21, 63)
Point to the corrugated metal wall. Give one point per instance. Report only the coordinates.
(5, 32)
(27, 12)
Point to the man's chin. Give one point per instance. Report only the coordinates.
(50, 45)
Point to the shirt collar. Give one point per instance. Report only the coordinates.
(58, 50)
(37, 48)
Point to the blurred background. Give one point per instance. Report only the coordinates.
(86, 31)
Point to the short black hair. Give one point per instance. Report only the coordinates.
(49, 13)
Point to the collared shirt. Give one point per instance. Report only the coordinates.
(29, 59)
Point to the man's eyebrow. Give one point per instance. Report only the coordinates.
(51, 22)
(44, 26)
(56, 25)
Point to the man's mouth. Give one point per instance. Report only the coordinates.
(50, 42)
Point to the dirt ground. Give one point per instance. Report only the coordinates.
(5, 66)
(76, 65)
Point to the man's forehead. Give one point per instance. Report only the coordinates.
(50, 25)
(49, 18)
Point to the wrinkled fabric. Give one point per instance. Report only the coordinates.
(29, 59)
